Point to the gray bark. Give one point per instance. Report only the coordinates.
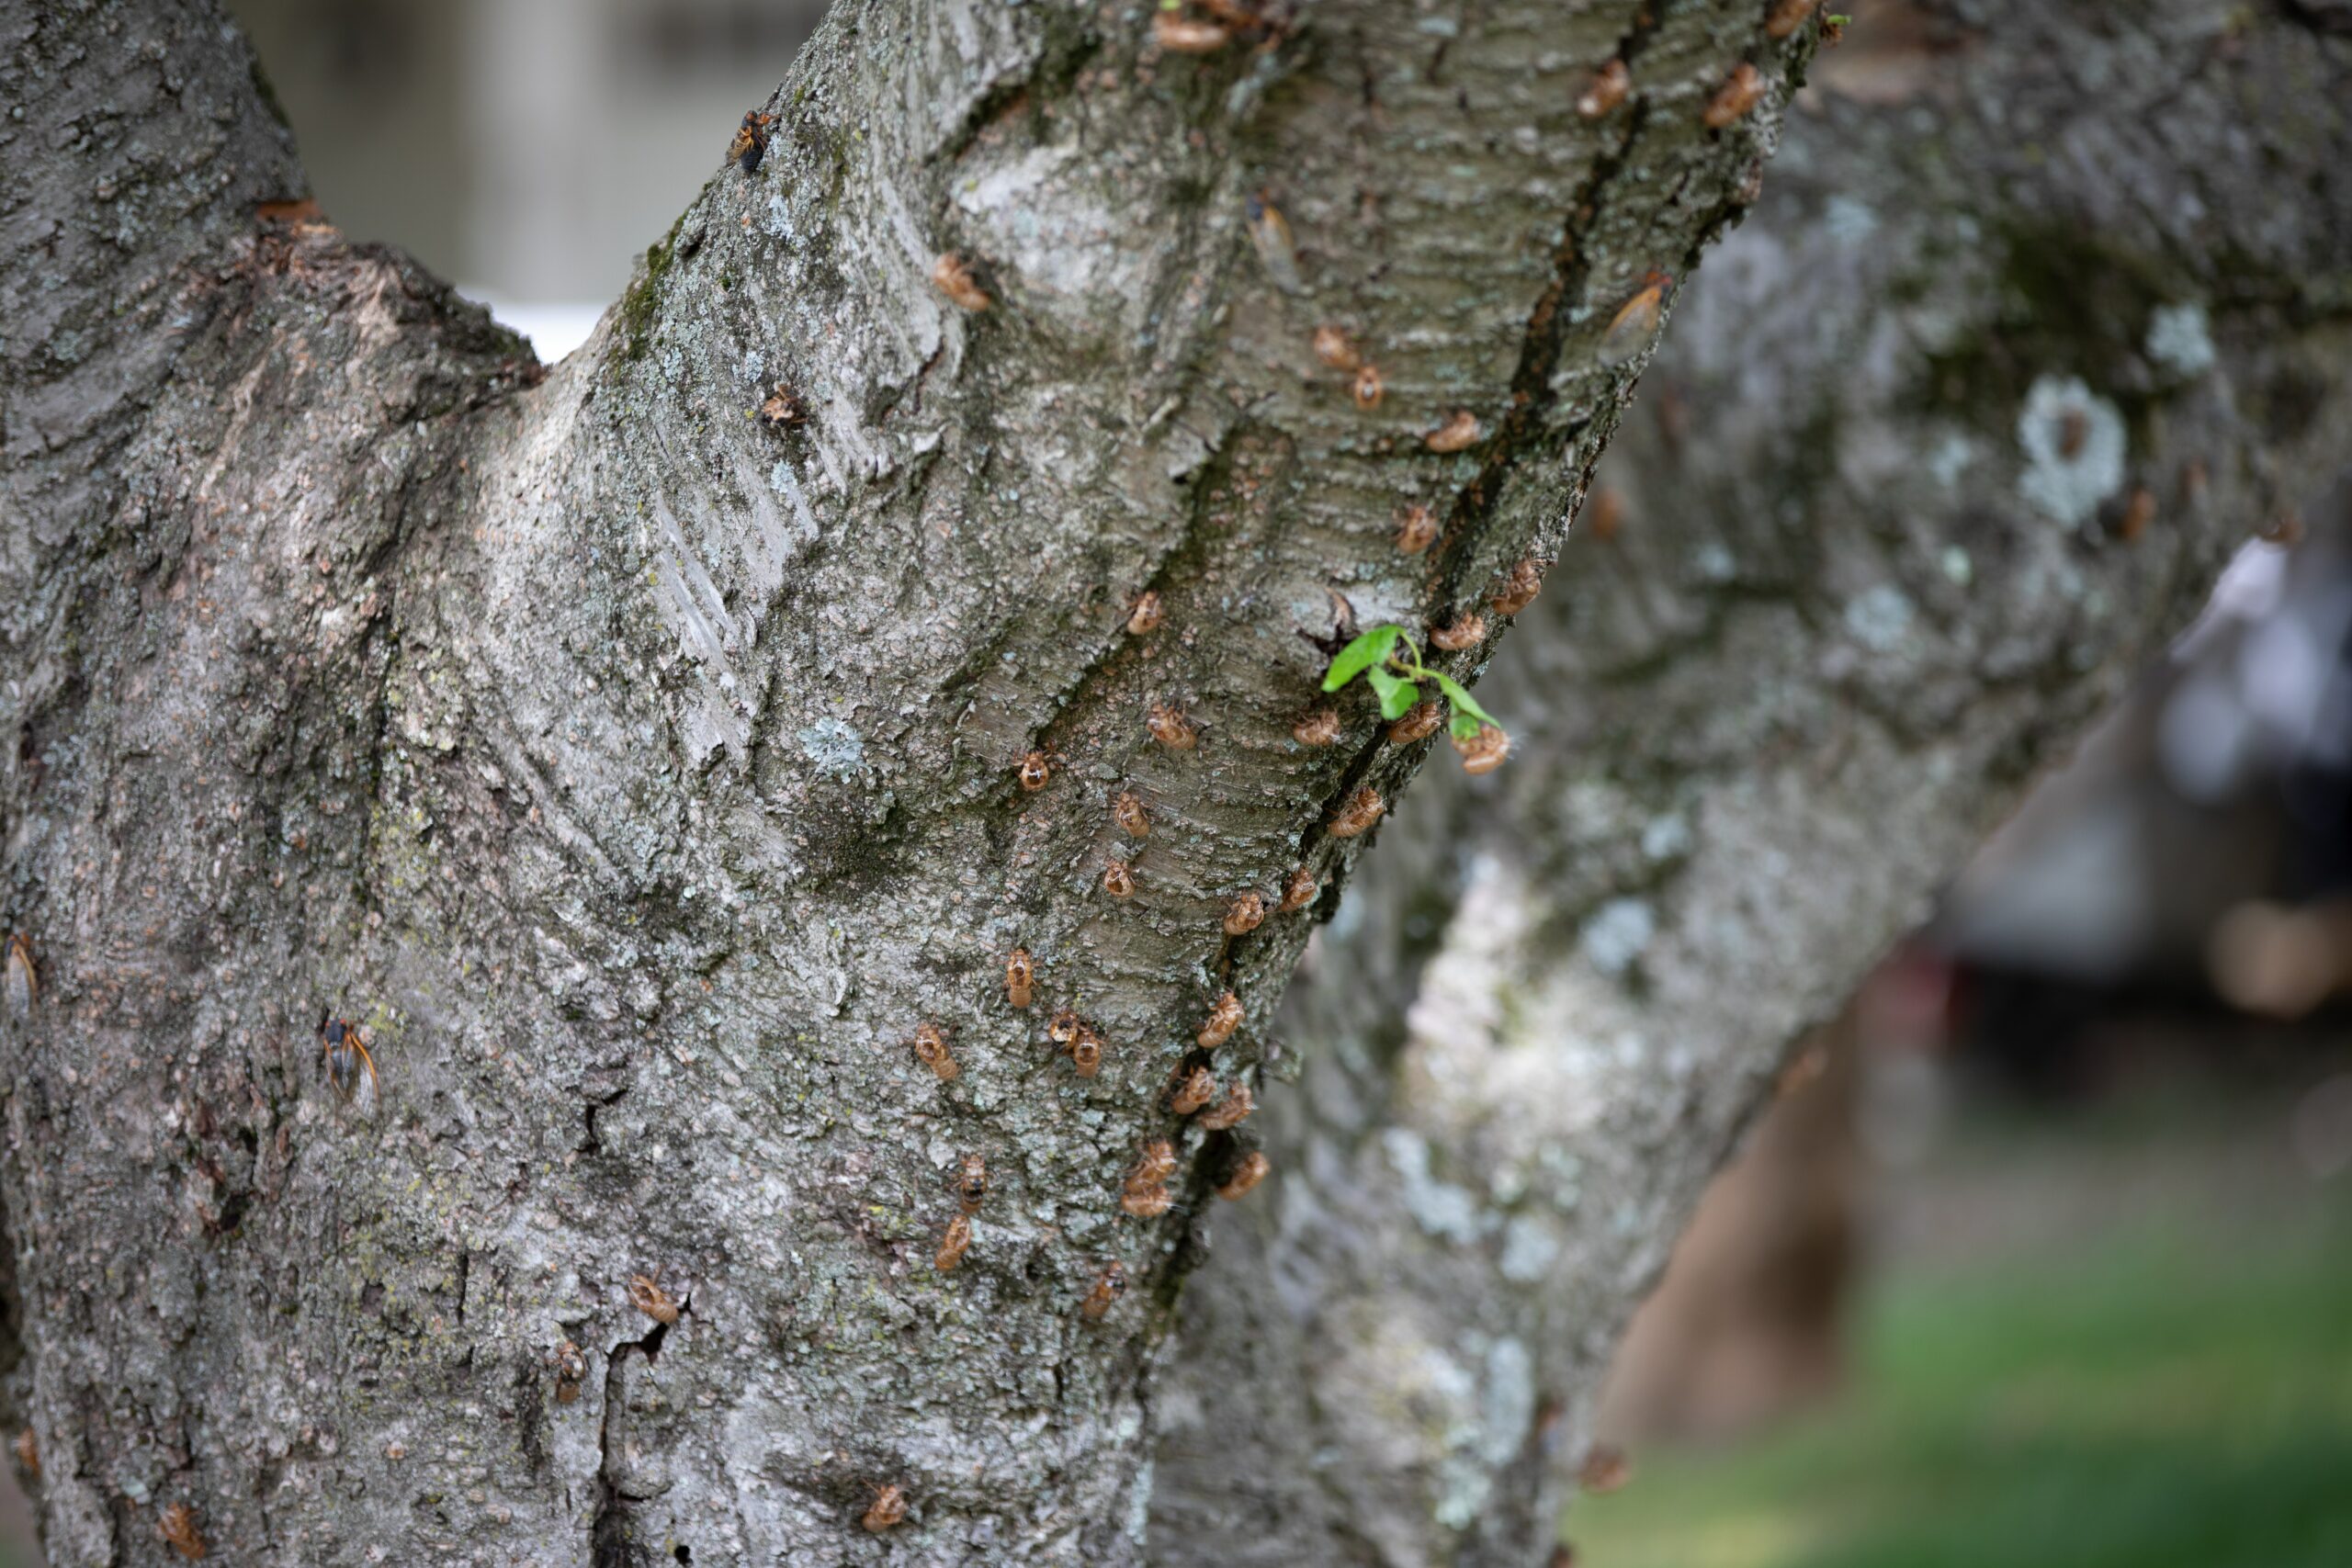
(640, 778)
(1846, 615)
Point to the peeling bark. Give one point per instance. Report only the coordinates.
(1861, 576)
(639, 776)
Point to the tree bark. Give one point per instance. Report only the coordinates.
(639, 778)
(1854, 590)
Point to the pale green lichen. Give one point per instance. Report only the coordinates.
(1439, 1208)
(1618, 934)
(1880, 618)
(2073, 443)
(1509, 1406)
(1950, 458)
(1848, 221)
(1139, 1523)
(2180, 339)
(1667, 836)
(837, 750)
(1530, 1249)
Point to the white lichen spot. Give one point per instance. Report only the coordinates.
(1139, 1504)
(1439, 1208)
(1667, 836)
(837, 750)
(1958, 566)
(786, 483)
(1848, 222)
(1462, 1496)
(1510, 1403)
(1714, 563)
(1508, 1184)
(2180, 338)
(778, 222)
(1950, 459)
(1529, 1250)
(1451, 1398)
(1880, 618)
(1619, 934)
(2073, 443)
(1446, 1378)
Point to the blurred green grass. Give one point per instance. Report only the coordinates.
(2139, 1402)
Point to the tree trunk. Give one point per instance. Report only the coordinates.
(642, 776)
(639, 776)
(1843, 591)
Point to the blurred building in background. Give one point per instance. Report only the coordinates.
(524, 149)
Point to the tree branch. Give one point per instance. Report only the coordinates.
(1834, 629)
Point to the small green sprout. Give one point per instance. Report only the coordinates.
(1390, 662)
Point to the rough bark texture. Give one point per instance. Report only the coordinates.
(1857, 591)
(640, 777)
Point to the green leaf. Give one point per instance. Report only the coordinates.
(1361, 655)
(1464, 704)
(1461, 726)
(1397, 694)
